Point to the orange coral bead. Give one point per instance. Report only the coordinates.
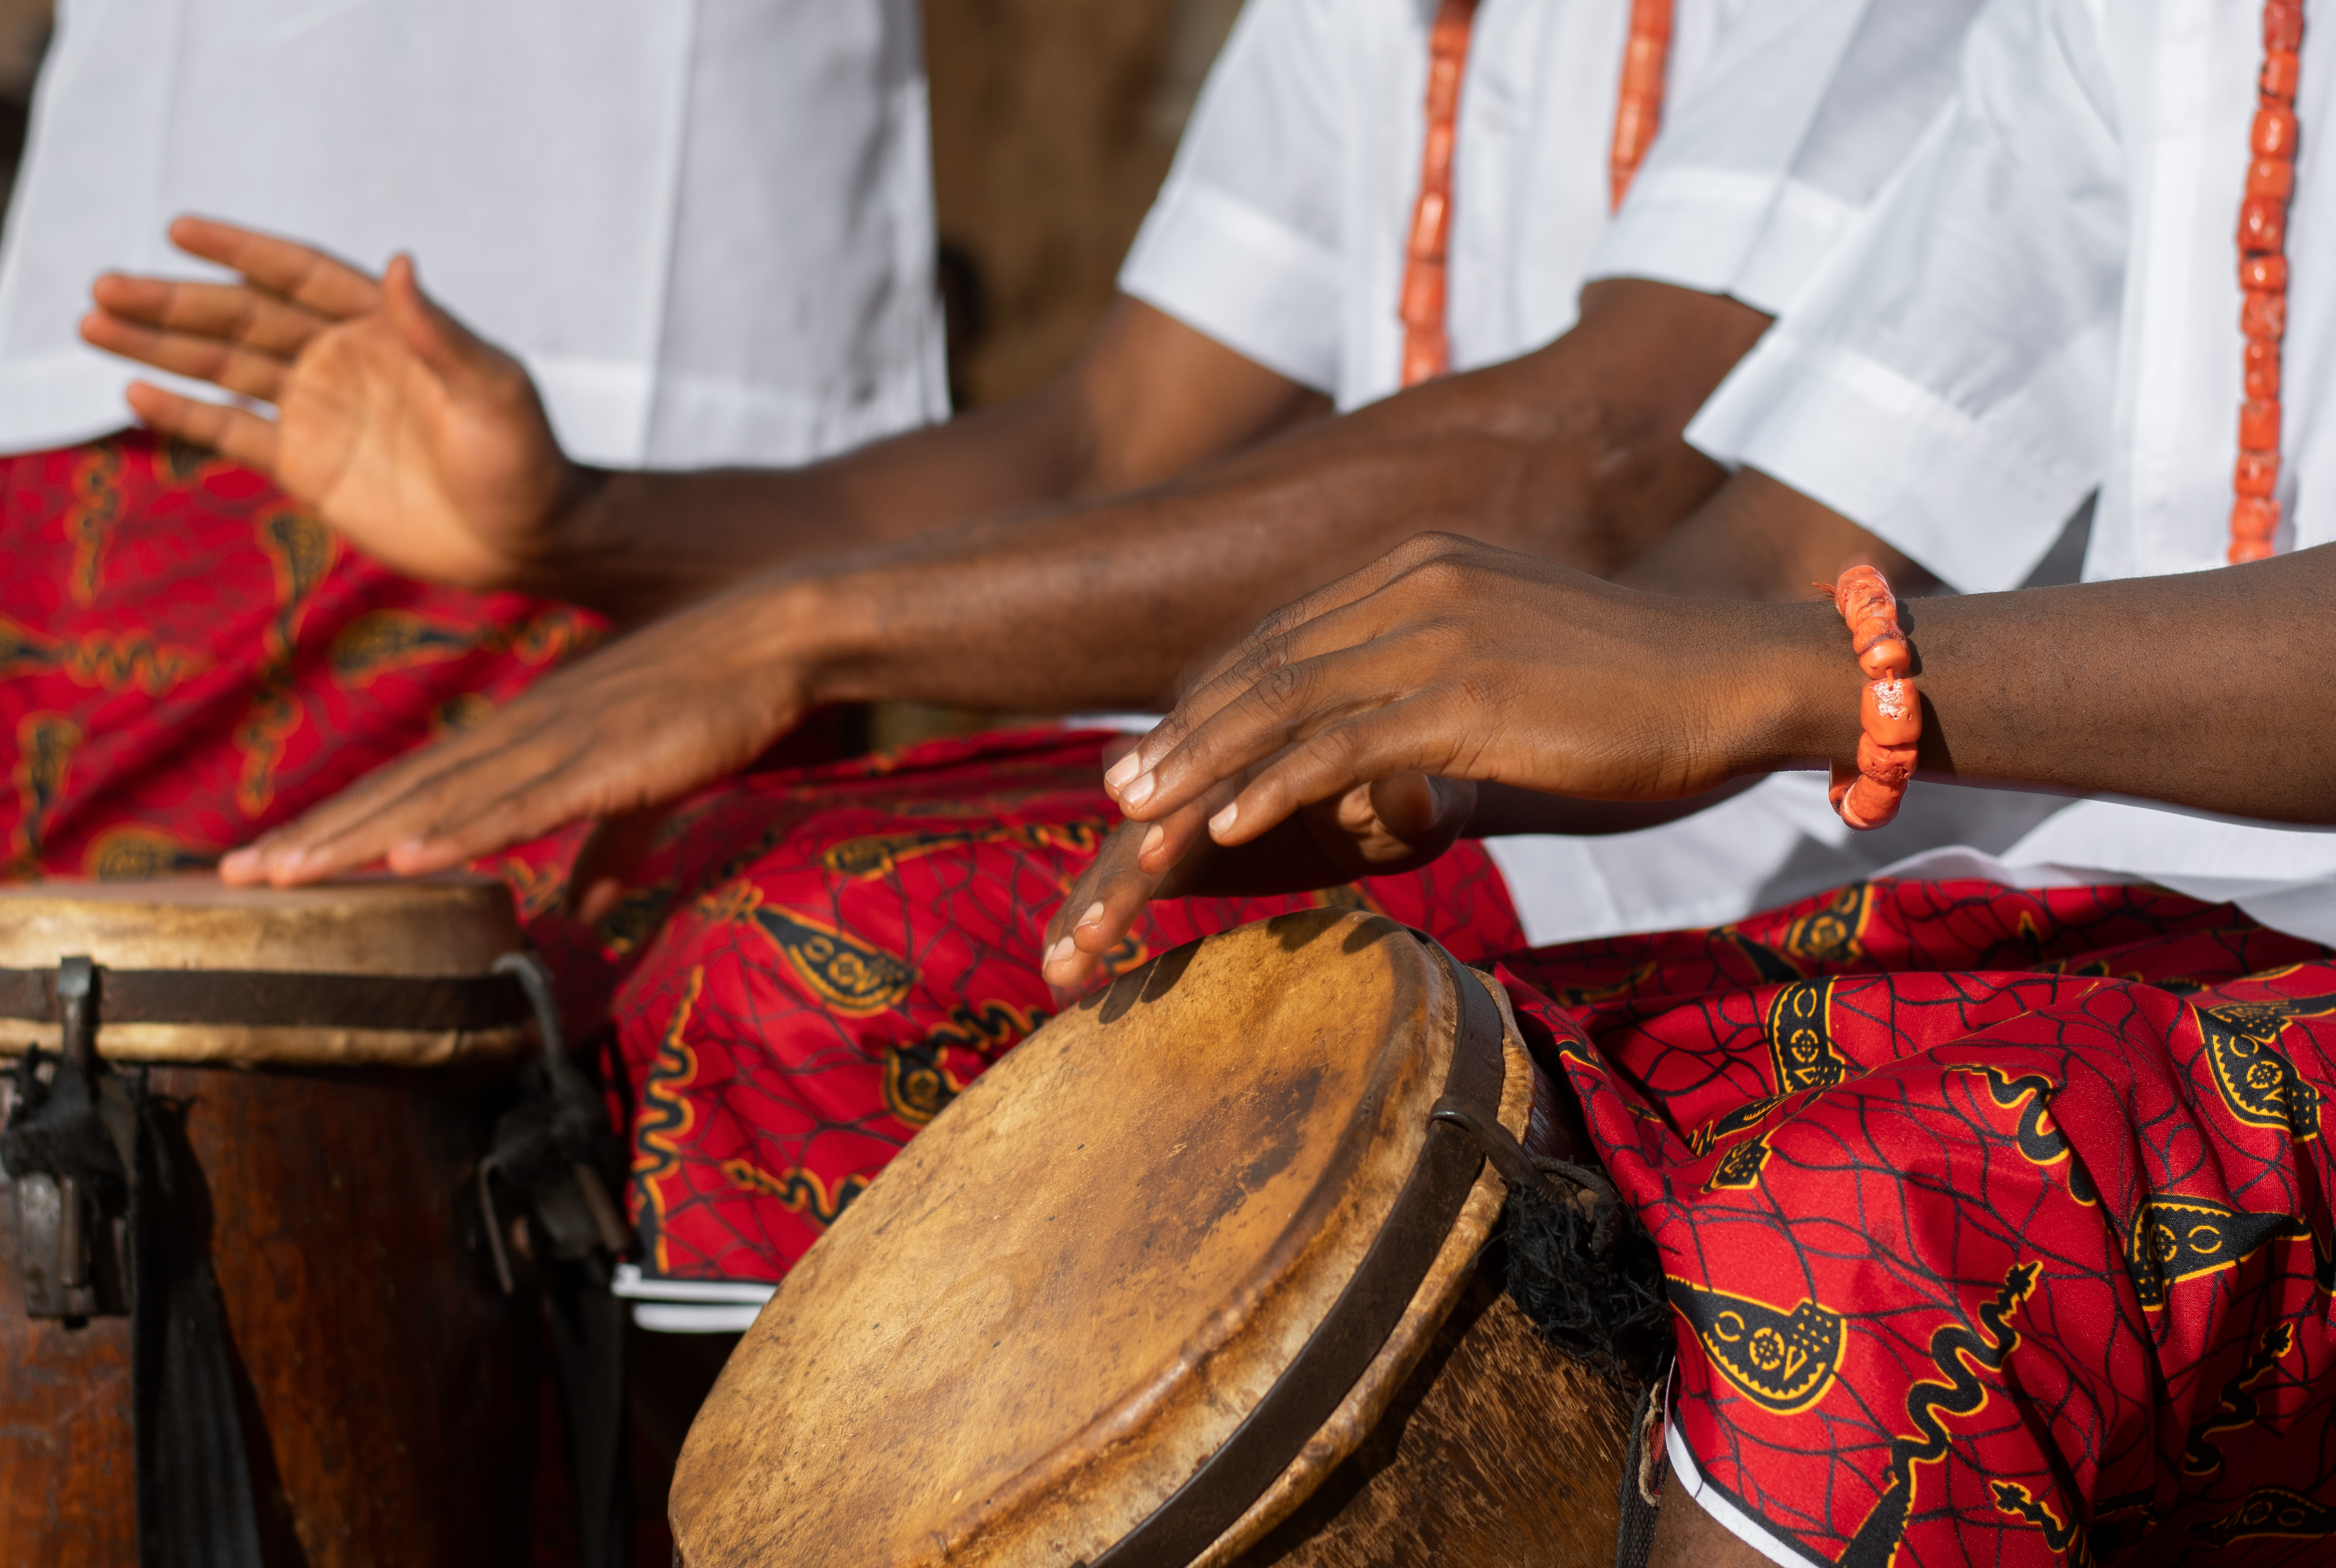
(2282, 69)
(2254, 518)
(1891, 711)
(2257, 474)
(2262, 316)
(2259, 424)
(2271, 179)
(2264, 273)
(1868, 805)
(2244, 550)
(2262, 225)
(2282, 26)
(1885, 658)
(2273, 133)
(2263, 369)
(1889, 764)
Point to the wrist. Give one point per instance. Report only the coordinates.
(1792, 696)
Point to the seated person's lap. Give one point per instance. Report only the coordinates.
(188, 657)
(817, 961)
(1989, 1215)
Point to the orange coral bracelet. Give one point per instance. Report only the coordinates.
(1890, 711)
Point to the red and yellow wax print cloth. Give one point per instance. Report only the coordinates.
(1998, 1225)
(188, 658)
(815, 961)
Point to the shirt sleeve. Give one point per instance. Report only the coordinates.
(1243, 243)
(1948, 378)
(1782, 140)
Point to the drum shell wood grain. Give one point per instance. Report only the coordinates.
(1497, 1451)
(388, 1387)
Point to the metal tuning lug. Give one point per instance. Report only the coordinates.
(67, 1170)
(544, 1188)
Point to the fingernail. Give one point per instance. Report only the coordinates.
(235, 863)
(1125, 769)
(1059, 952)
(1153, 841)
(1223, 822)
(1140, 791)
(1093, 917)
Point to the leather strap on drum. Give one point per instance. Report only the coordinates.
(1310, 1390)
(266, 999)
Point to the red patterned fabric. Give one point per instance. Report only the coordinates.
(188, 657)
(1998, 1223)
(817, 961)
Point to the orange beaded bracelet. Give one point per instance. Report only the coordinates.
(1890, 711)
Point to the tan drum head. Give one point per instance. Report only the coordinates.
(436, 927)
(1115, 1260)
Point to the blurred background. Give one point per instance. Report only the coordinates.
(1053, 121)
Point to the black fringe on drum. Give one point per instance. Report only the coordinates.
(1585, 1271)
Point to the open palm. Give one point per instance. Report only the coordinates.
(425, 445)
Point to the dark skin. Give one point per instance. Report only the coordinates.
(973, 564)
(1354, 728)
(970, 564)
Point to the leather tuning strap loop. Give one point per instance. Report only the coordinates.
(544, 1194)
(101, 1179)
(1351, 1334)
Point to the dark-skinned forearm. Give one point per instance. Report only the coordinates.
(2206, 689)
(1571, 452)
(1148, 398)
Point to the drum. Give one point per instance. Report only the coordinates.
(1195, 1275)
(263, 1229)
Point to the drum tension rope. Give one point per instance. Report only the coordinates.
(556, 1154)
(104, 1231)
(1585, 1273)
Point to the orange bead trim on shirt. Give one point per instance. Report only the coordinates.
(1638, 115)
(1890, 711)
(2263, 280)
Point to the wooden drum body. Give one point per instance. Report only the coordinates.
(386, 1386)
(1193, 1276)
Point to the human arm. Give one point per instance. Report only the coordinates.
(1574, 451)
(429, 449)
(1453, 660)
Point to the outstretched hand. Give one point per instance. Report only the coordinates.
(424, 444)
(616, 737)
(1445, 660)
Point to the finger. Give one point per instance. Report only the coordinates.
(224, 365)
(1065, 962)
(1319, 620)
(1254, 713)
(1348, 754)
(387, 807)
(227, 311)
(1355, 586)
(236, 434)
(458, 355)
(324, 284)
(604, 867)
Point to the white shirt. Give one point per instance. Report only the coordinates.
(2046, 301)
(1280, 233)
(705, 225)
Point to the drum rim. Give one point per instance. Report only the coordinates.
(278, 999)
(1341, 1351)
